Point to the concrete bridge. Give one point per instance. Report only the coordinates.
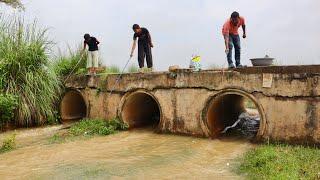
(203, 103)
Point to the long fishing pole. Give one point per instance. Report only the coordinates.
(119, 77)
(74, 68)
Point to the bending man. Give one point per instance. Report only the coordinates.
(144, 46)
(232, 38)
(93, 54)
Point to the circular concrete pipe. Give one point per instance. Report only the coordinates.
(223, 110)
(73, 106)
(140, 109)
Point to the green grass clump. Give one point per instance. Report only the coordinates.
(26, 71)
(88, 128)
(281, 162)
(101, 127)
(8, 144)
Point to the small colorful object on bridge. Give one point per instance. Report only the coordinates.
(195, 63)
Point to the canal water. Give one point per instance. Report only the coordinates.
(137, 154)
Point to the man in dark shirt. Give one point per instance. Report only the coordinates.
(93, 53)
(144, 46)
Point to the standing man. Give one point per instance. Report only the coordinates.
(144, 46)
(93, 53)
(232, 38)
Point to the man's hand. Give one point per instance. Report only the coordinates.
(227, 51)
(244, 36)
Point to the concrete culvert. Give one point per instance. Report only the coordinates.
(73, 106)
(232, 111)
(141, 110)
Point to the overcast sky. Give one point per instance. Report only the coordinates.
(288, 30)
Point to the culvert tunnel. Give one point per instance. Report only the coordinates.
(73, 106)
(224, 110)
(141, 110)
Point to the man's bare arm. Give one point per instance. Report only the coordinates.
(84, 46)
(134, 44)
(150, 40)
(226, 42)
(244, 31)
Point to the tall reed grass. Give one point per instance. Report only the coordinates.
(26, 71)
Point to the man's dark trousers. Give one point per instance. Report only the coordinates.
(144, 50)
(234, 41)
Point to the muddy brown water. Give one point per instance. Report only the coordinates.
(137, 154)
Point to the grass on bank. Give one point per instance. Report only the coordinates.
(8, 144)
(89, 128)
(281, 162)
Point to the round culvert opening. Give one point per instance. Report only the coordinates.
(232, 114)
(73, 106)
(141, 110)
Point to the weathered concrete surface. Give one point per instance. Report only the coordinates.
(289, 107)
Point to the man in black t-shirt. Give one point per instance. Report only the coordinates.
(144, 46)
(93, 54)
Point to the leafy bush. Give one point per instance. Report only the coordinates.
(97, 127)
(8, 144)
(8, 103)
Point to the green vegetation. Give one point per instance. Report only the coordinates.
(8, 144)
(282, 162)
(100, 127)
(72, 63)
(133, 69)
(89, 128)
(26, 72)
(113, 69)
(8, 103)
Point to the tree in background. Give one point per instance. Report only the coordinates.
(13, 3)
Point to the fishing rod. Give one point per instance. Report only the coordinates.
(74, 68)
(119, 77)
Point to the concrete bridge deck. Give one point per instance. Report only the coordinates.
(203, 103)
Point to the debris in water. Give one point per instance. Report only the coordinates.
(247, 125)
